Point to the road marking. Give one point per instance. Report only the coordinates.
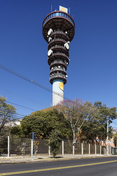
(57, 168)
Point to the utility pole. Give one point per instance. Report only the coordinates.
(107, 135)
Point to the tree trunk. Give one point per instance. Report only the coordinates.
(74, 136)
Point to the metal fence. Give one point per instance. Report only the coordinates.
(92, 149)
(85, 149)
(78, 148)
(40, 146)
(3, 145)
(68, 146)
(19, 146)
(22, 146)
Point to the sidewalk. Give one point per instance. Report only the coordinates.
(44, 158)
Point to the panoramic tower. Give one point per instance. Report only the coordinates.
(58, 31)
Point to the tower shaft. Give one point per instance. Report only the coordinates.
(58, 31)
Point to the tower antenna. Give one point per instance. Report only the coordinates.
(51, 8)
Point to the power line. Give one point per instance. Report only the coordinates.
(22, 96)
(27, 79)
(20, 114)
(22, 106)
(23, 77)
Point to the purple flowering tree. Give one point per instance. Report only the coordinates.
(76, 111)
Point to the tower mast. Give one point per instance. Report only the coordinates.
(58, 31)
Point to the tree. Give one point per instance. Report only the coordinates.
(76, 112)
(6, 112)
(54, 141)
(96, 125)
(43, 123)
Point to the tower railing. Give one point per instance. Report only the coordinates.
(58, 54)
(58, 75)
(56, 40)
(57, 69)
(58, 62)
(58, 14)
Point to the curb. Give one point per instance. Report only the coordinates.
(29, 160)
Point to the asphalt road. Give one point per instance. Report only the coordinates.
(106, 166)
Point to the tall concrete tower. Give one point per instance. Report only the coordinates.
(58, 31)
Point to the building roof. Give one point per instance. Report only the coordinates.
(45, 110)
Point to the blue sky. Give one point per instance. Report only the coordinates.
(92, 71)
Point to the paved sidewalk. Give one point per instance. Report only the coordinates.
(44, 158)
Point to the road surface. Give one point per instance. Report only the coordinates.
(106, 166)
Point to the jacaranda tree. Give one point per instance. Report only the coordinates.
(76, 112)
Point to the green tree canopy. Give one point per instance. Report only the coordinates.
(43, 123)
(54, 141)
(6, 112)
(96, 125)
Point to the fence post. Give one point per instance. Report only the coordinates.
(110, 148)
(89, 149)
(49, 150)
(73, 149)
(8, 146)
(95, 149)
(82, 148)
(100, 150)
(32, 148)
(62, 147)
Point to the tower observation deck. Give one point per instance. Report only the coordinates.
(58, 31)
